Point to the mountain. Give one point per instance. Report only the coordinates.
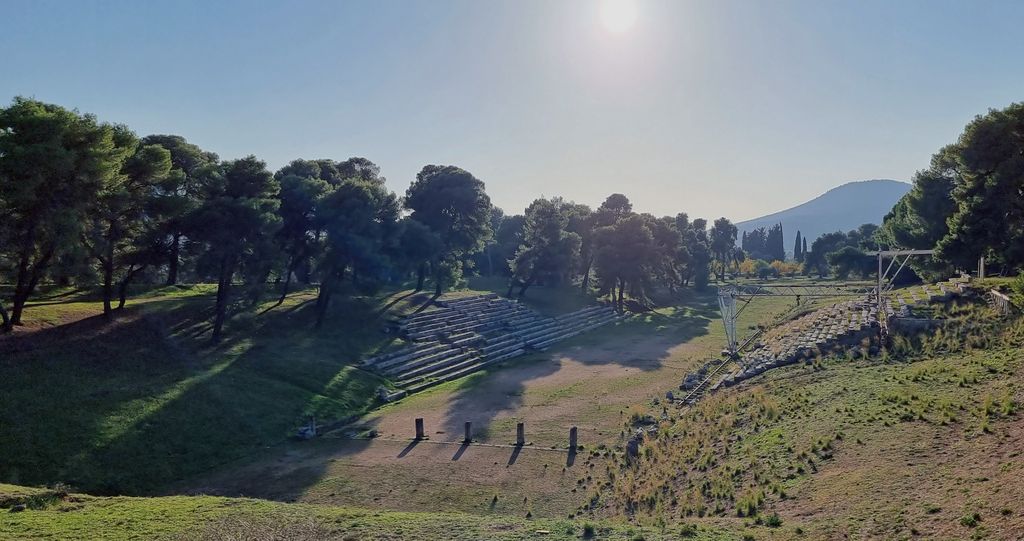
(840, 209)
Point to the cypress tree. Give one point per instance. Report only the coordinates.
(798, 256)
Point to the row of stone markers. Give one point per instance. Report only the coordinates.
(421, 433)
(460, 336)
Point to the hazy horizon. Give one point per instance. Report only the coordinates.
(711, 108)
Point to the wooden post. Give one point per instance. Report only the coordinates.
(572, 438)
(520, 433)
(419, 428)
(469, 432)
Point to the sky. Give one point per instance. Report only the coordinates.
(714, 108)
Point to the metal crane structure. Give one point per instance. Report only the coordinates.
(734, 298)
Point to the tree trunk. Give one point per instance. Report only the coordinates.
(122, 288)
(108, 288)
(107, 263)
(27, 279)
(227, 271)
(289, 270)
(526, 285)
(585, 283)
(5, 321)
(421, 276)
(622, 289)
(172, 262)
(323, 299)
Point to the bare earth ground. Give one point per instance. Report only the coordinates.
(594, 382)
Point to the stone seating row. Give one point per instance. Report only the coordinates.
(464, 335)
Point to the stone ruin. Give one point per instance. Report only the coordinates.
(462, 335)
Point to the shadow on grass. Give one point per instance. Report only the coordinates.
(140, 403)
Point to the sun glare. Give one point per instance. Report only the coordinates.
(618, 15)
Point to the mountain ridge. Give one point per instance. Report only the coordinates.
(841, 208)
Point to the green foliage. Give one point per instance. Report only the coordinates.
(134, 405)
(360, 220)
(452, 203)
(722, 241)
(236, 224)
(549, 252)
(970, 520)
(53, 164)
(766, 243)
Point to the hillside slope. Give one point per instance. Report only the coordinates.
(126, 406)
(840, 209)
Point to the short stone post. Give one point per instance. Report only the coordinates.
(419, 428)
(469, 433)
(572, 438)
(520, 433)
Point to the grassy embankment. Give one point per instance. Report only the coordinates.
(50, 514)
(923, 441)
(131, 405)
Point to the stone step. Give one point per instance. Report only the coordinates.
(423, 360)
(442, 374)
(411, 353)
(434, 367)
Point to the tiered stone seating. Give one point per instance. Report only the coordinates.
(841, 325)
(463, 335)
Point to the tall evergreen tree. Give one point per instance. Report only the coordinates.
(797, 254)
(236, 223)
(360, 219)
(180, 193)
(53, 163)
(548, 250)
(454, 205)
(119, 229)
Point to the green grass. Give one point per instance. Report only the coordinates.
(80, 517)
(129, 406)
(740, 451)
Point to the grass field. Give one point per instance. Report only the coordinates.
(144, 405)
(49, 515)
(892, 448)
(128, 406)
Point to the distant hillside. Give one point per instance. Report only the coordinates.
(840, 209)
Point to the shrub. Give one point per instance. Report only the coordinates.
(773, 521)
(688, 530)
(588, 530)
(971, 520)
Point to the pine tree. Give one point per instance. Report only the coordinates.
(798, 256)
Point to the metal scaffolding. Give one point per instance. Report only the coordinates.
(733, 295)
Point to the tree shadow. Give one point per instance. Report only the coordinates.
(141, 403)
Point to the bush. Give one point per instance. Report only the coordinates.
(773, 521)
(588, 530)
(971, 520)
(688, 530)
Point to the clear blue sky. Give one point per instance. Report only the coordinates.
(713, 107)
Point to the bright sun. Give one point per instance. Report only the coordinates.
(618, 15)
